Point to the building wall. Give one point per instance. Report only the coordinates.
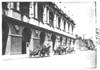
(20, 34)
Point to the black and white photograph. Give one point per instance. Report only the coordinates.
(49, 35)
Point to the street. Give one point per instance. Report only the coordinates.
(77, 60)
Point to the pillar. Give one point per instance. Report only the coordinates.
(56, 21)
(71, 42)
(31, 10)
(46, 40)
(67, 42)
(45, 15)
(36, 10)
(10, 10)
(31, 43)
(55, 24)
(18, 6)
(48, 16)
(66, 27)
(8, 46)
(61, 24)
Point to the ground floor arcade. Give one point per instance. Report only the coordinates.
(19, 37)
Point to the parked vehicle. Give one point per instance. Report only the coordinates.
(58, 51)
(40, 50)
(64, 50)
(35, 51)
(70, 49)
(44, 51)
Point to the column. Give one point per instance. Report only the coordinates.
(61, 24)
(66, 27)
(67, 42)
(31, 43)
(18, 6)
(71, 42)
(10, 6)
(46, 40)
(31, 10)
(36, 10)
(45, 15)
(55, 21)
(48, 16)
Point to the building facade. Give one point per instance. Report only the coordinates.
(28, 24)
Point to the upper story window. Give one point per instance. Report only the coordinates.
(4, 5)
(15, 5)
(64, 25)
(51, 17)
(59, 22)
(24, 7)
(40, 12)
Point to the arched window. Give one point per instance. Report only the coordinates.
(40, 12)
(51, 17)
(24, 7)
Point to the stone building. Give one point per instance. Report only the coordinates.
(28, 24)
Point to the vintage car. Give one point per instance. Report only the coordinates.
(64, 50)
(70, 50)
(44, 51)
(40, 50)
(35, 51)
(58, 50)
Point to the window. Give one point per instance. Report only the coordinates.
(15, 5)
(24, 7)
(59, 23)
(4, 4)
(51, 17)
(40, 12)
(64, 25)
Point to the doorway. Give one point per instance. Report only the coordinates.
(53, 38)
(26, 36)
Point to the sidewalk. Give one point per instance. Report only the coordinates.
(11, 57)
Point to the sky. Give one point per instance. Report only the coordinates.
(83, 15)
